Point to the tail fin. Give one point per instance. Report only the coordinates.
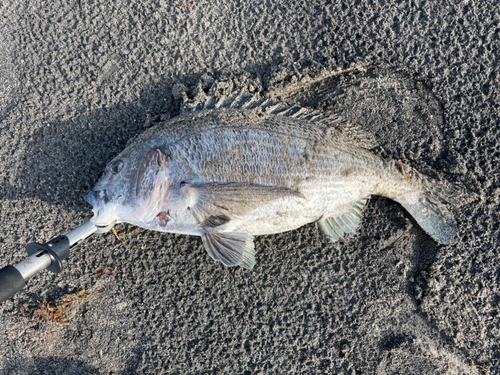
(425, 202)
(434, 218)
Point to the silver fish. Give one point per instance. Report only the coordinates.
(247, 166)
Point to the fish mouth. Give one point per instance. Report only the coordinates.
(104, 216)
(96, 203)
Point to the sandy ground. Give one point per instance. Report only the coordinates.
(79, 78)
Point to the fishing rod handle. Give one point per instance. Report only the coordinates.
(41, 256)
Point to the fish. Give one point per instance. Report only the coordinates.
(246, 166)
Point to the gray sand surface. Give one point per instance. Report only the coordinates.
(79, 78)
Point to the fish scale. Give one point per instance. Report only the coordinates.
(263, 162)
(273, 144)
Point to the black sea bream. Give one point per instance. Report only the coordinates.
(248, 167)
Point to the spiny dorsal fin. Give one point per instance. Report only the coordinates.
(244, 100)
(337, 227)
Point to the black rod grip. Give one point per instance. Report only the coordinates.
(11, 282)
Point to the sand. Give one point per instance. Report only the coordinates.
(78, 79)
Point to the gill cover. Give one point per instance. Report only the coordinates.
(150, 185)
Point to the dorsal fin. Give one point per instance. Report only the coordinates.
(244, 100)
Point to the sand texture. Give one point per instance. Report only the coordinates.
(80, 78)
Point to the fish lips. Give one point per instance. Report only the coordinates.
(97, 199)
(91, 198)
(104, 211)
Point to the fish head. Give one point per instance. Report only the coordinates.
(135, 188)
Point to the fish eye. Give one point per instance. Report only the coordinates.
(117, 167)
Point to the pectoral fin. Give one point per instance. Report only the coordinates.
(337, 227)
(231, 249)
(232, 199)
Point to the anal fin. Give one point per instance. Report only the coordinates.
(337, 227)
(231, 249)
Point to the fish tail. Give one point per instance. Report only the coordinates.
(424, 198)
